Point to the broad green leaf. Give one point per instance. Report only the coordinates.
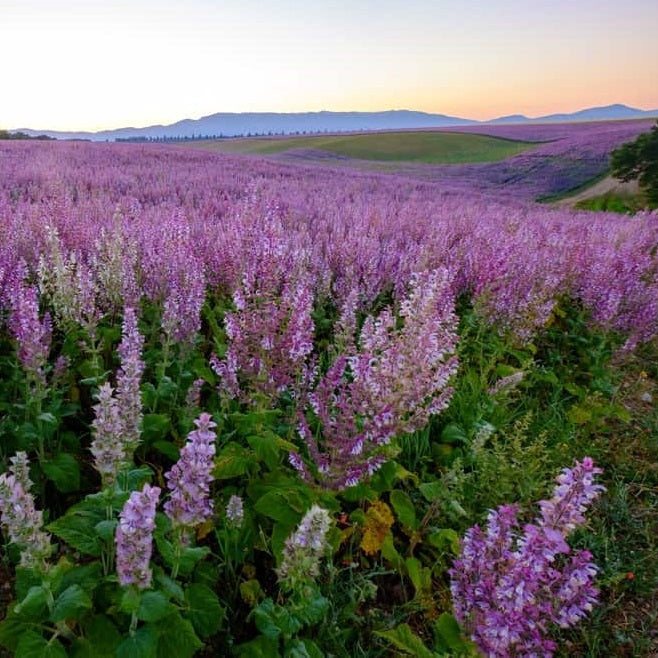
(203, 609)
(88, 576)
(155, 427)
(153, 606)
(33, 645)
(232, 461)
(12, 629)
(261, 647)
(312, 608)
(431, 490)
(448, 630)
(273, 620)
(64, 471)
(106, 529)
(71, 604)
(177, 638)
(404, 509)
(101, 639)
(281, 505)
(445, 538)
(76, 528)
(265, 448)
(404, 639)
(34, 605)
(453, 433)
(142, 643)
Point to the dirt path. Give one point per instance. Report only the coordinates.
(608, 184)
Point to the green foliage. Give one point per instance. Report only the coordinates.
(639, 160)
(383, 586)
(430, 147)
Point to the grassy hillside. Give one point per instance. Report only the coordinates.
(428, 147)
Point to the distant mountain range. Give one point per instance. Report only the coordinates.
(264, 123)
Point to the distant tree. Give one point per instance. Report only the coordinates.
(639, 160)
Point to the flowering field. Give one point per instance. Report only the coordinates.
(573, 155)
(256, 408)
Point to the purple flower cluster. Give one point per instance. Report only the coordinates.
(24, 523)
(305, 548)
(389, 384)
(175, 223)
(235, 511)
(32, 333)
(118, 418)
(511, 589)
(190, 477)
(270, 332)
(129, 378)
(134, 537)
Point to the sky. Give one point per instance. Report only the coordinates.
(92, 65)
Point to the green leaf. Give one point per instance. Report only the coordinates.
(88, 576)
(312, 608)
(420, 576)
(26, 578)
(232, 461)
(170, 587)
(142, 643)
(153, 606)
(203, 609)
(177, 638)
(63, 470)
(404, 509)
(265, 448)
(284, 505)
(101, 639)
(303, 649)
(445, 538)
(390, 553)
(448, 630)
(431, 490)
(274, 620)
(72, 603)
(33, 645)
(106, 529)
(155, 427)
(34, 605)
(261, 647)
(168, 449)
(12, 629)
(76, 528)
(47, 417)
(404, 639)
(453, 433)
(130, 599)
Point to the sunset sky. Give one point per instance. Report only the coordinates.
(90, 65)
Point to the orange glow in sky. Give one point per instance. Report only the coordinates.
(89, 65)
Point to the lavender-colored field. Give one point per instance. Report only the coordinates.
(179, 221)
(574, 154)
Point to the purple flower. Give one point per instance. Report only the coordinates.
(32, 333)
(511, 587)
(390, 382)
(134, 537)
(189, 479)
(108, 447)
(235, 511)
(129, 397)
(305, 547)
(24, 523)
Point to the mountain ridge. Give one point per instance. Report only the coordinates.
(232, 124)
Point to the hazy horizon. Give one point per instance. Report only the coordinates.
(87, 65)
